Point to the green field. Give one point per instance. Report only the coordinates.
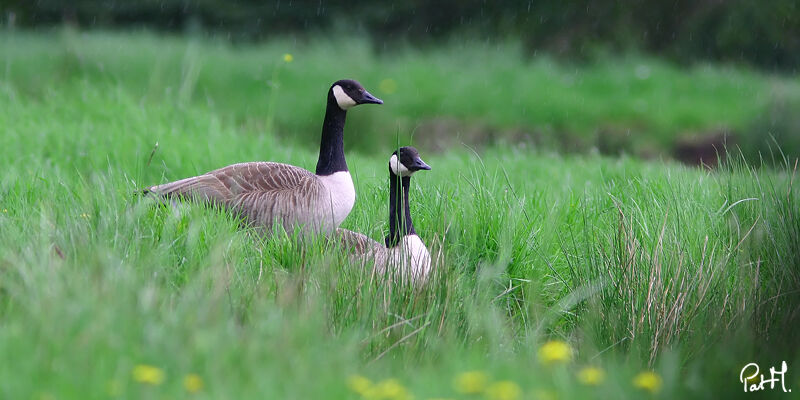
(637, 266)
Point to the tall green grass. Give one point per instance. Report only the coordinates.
(636, 265)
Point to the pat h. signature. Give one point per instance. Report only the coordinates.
(754, 382)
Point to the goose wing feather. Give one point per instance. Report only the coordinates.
(356, 243)
(262, 192)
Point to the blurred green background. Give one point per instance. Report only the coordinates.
(765, 34)
(674, 79)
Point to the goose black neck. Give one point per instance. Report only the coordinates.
(331, 148)
(399, 214)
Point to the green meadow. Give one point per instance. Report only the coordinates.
(546, 263)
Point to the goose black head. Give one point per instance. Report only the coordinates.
(405, 161)
(348, 93)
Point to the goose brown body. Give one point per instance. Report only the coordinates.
(264, 193)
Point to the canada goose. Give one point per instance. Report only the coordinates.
(264, 192)
(403, 251)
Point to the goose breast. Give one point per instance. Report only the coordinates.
(410, 258)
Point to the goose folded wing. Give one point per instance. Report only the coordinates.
(261, 192)
(225, 184)
(355, 243)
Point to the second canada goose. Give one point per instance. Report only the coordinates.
(264, 193)
(403, 252)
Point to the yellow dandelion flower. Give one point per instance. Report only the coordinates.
(193, 383)
(647, 380)
(148, 374)
(471, 382)
(359, 384)
(388, 389)
(388, 86)
(555, 351)
(5, 210)
(591, 376)
(503, 390)
(288, 58)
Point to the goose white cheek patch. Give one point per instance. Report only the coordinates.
(342, 98)
(397, 167)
